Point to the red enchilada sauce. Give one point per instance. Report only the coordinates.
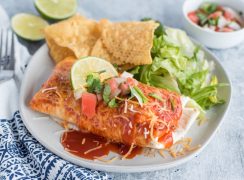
(90, 146)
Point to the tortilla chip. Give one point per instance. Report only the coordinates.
(57, 52)
(126, 42)
(100, 51)
(77, 35)
(119, 43)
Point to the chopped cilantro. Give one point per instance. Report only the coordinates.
(106, 93)
(213, 22)
(209, 7)
(203, 18)
(94, 84)
(113, 103)
(156, 96)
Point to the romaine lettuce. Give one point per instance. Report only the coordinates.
(180, 66)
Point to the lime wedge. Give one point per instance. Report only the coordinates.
(56, 9)
(85, 66)
(28, 26)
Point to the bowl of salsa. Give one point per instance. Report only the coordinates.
(218, 24)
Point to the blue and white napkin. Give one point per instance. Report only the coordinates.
(21, 155)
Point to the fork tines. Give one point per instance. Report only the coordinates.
(6, 49)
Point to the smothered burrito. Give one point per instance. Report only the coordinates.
(122, 86)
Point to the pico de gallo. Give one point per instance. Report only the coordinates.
(214, 17)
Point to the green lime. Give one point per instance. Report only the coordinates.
(28, 26)
(56, 9)
(85, 66)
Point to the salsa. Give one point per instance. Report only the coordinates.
(91, 146)
(216, 18)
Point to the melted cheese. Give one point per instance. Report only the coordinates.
(188, 117)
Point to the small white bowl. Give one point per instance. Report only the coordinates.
(212, 39)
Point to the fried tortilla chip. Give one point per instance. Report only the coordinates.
(57, 52)
(126, 42)
(75, 36)
(119, 43)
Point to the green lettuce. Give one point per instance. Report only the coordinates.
(178, 65)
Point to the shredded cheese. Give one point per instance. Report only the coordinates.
(49, 89)
(182, 147)
(107, 143)
(106, 161)
(65, 137)
(132, 109)
(128, 100)
(149, 152)
(151, 129)
(172, 153)
(123, 117)
(96, 142)
(83, 141)
(194, 148)
(146, 132)
(162, 153)
(93, 149)
(69, 150)
(129, 152)
(130, 125)
(126, 106)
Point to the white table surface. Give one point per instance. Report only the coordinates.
(223, 158)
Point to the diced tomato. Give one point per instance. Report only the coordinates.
(228, 15)
(88, 104)
(220, 8)
(193, 17)
(124, 87)
(215, 15)
(217, 29)
(131, 82)
(113, 85)
(226, 29)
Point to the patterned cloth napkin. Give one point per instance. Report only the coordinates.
(21, 155)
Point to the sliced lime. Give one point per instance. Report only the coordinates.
(83, 67)
(56, 9)
(28, 26)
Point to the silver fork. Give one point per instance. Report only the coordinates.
(7, 60)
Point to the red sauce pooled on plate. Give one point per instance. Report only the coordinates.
(90, 146)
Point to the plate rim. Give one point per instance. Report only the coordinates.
(129, 168)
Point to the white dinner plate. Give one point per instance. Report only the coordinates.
(48, 132)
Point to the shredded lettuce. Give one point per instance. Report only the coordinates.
(178, 65)
(156, 96)
(138, 94)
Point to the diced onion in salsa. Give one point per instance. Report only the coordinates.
(217, 18)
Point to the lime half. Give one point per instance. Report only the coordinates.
(28, 26)
(85, 66)
(56, 9)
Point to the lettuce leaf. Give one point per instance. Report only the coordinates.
(178, 65)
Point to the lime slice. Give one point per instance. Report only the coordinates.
(28, 26)
(83, 67)
(56, 9)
